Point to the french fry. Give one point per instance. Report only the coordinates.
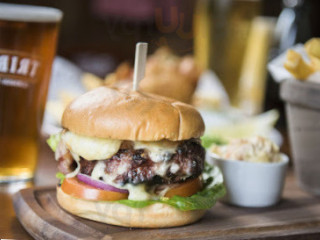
(123, 72)
(91, 81)
(55, 108)
(110, 79)
(313, 49)
(315, 62)
(66, 97)
(297, 66)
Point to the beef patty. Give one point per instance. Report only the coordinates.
(135, 166)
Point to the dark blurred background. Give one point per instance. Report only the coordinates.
(109, 29)
(99, 34)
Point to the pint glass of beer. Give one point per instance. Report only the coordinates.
(28, 37)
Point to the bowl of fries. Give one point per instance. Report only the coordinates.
(301, 95)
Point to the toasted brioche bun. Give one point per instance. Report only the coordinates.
(157, 215)
(114, 114)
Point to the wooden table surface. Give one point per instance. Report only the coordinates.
(45, 176)
(10, 227)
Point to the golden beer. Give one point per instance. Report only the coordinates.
(221, 36)
(27, 47)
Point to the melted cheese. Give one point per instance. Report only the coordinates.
(99, 172)
(91, 148)
(136, 192)
(161, 169)
(158, 151)
(174, 168)
(77, 170)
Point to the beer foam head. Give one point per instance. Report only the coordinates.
(28, 13)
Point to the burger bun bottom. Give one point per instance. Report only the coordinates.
(157, 215)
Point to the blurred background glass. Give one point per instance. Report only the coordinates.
(222, 32)
(27, 47)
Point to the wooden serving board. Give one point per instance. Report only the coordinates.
(297, 216)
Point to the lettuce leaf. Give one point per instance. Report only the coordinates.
(212, 191)
(208, 140)
(53, 141)
(60, 176)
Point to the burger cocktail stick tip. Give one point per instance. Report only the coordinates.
(139, 64)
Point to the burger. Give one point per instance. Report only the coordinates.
(133, 159)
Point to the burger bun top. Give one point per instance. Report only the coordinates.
(118, 114)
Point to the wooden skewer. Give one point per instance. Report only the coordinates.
(139, 64)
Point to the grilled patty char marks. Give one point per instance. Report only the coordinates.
(134, 166)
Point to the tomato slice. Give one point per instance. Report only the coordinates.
(185, 189)
(78, 189)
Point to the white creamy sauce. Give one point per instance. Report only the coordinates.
(123, 168)
(164, 191)
(162, 169)
(158, 151)
(174, 168)
(76, 171)
(136, 192)
(75, 156)
(91, 148)
(60, 151)
(99, 171)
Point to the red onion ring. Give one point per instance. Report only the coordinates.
(99, 184)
